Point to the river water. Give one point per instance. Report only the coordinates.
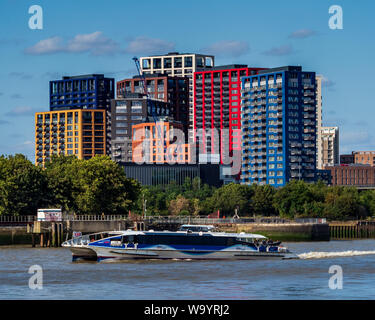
(304, 278)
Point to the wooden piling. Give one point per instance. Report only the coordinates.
(53, 235)
(58, 234)
(48, 242)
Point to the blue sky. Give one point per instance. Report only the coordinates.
(91, 36)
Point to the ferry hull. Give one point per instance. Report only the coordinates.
(104, 253)
(83, 253)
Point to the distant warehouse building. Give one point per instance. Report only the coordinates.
(352, 175)
(164, 174)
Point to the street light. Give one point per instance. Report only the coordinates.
(145, 208)
(144, 201)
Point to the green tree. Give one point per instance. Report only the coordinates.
(94, 186)
(367, 200)
(60, 177)
(23, 186)
(342, 203)
(229, 197)
(103, 187)
(262, 201)
(298, 199)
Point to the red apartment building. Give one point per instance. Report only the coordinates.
(217, 105)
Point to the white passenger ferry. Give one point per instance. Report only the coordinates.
(190, 242)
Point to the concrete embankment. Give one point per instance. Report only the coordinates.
(284, 232)
(54, 233)
(15, 235)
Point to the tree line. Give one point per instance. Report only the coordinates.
(297, 199)
(100, 186)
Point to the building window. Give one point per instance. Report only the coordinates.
(168, 63)
(178, 62)
(188, 62)
(136, 109)
(121, 109)
(157, 63)
(136, 117)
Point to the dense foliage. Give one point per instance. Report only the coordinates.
(94, 186)
(99, 185)
(297, 199)
(23, 186)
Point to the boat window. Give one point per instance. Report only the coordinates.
(129, 239)
(185, 239)
(248, 240)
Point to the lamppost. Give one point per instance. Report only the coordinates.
(144, 201)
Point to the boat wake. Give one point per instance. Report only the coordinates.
(322, 255)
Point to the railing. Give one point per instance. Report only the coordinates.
(14, 219)
(205, 220)
(95, 217)
(164, 219)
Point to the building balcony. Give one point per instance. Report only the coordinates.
(308, 86)
(309, 145)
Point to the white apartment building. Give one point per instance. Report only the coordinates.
(181, 65)
(329, 145)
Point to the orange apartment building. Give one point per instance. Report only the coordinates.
(157, 143)
(79, 132)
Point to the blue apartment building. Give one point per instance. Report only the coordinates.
(278, 123)
(93, 91)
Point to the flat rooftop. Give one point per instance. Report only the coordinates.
(285, 68)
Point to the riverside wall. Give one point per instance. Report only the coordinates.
(47, 234)
(284, 232)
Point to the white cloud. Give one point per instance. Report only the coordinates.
(95, 43)
(46, 46)
(145, 45)
(302, 33)
(228, 48)
(280, 51)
